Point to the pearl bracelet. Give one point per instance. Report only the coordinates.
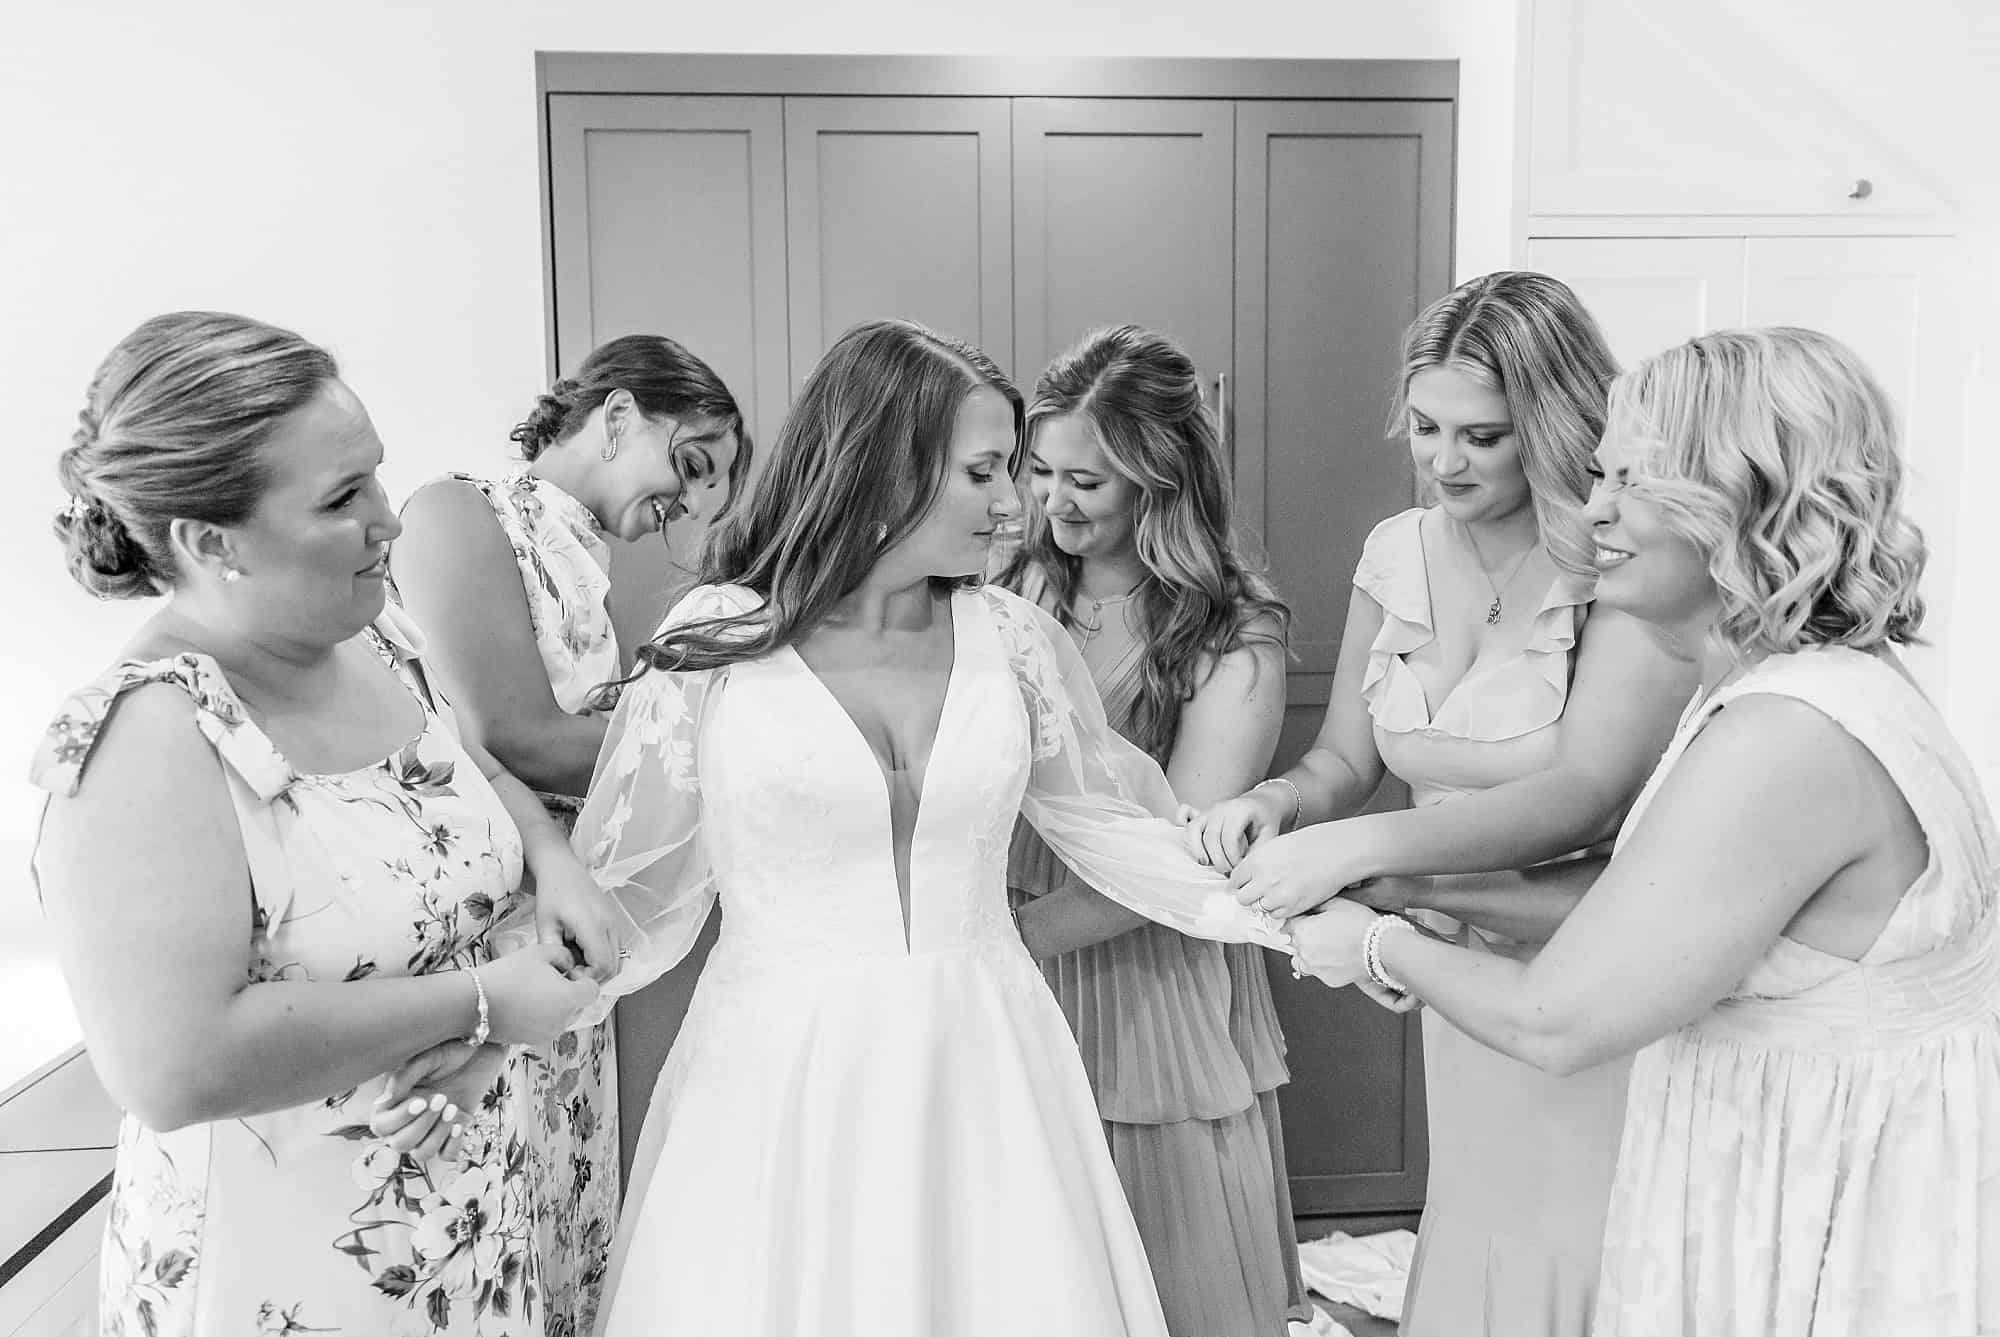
(1371, 953)
(1298, 799)
(484, 1030)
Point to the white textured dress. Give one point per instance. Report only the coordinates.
(860, 1132)
(1819, 1155)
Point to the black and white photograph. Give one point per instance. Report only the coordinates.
(1074, 670)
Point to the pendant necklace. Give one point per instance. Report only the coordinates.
(1493, 611)
(1097, 607)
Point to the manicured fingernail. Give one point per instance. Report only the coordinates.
(437, 1101)
(416, 1106)
(457, 1129)
(450, 1113)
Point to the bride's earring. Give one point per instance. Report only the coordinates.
(881, 533)
(610, 451)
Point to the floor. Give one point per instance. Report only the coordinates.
(57, 1133)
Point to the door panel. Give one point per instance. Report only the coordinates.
(1121, 214)
(898, 207)
(1343, 214)
(668, 218)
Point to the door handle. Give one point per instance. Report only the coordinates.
(1223, 426)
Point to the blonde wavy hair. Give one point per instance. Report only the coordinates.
(1776, 452)
(1528, 337)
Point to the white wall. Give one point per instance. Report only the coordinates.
(365, 172)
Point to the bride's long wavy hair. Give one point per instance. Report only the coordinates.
(1201, 598)
(856, 468)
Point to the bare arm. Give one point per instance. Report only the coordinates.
(1627, 693)
(1336, 776)
(1526, 905)
(1342, 770)
(1764, 810)
(1227, 734)
(570, 908)
(1621, 710)
(456, 573)
(146, 886)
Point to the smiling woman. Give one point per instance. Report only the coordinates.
(272, 870)
(509, 576)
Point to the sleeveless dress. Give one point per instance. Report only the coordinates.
(1180, 1040)
(569, 1096)
(299, 1220)
(871, 1126)
(1520, 1160)
(1820, 1153)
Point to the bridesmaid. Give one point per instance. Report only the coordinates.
(508, 575)
(272, 869)
(1129, 545)
(1800, 931)
(1475, 669)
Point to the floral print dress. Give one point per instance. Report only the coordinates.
(299, 1220)
(569, 1092)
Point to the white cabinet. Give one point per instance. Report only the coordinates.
(1699, 109)
(1648, 292)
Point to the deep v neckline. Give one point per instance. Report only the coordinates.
(1481, 664)
(905, 872)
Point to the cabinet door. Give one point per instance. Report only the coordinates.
(1121, 215)
(898, 207)
(1648, 293)
(1698, 108)
(1343, 218)
(1898, 303)
(668, 218)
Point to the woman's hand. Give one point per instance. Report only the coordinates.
(1232, 828)
(570, 909)
(1295, 873)
(533, 994)
(424, 1104)
(1327, 945)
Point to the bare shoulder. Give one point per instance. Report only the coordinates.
(149, 748)
(1785, 763)
(451, 505)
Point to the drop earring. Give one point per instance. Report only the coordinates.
(610, 451)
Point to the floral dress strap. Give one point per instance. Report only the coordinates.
(258, 775)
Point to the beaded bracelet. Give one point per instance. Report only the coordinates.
(1371, 953)
(1298, 799)
(484, 1030)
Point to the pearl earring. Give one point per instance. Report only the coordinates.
(230, 575)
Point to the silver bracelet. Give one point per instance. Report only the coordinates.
(1371, 953)
(484, 1030)
(1298, 799)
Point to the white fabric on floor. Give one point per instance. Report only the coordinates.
(1323, 1325)
(1366, 1271)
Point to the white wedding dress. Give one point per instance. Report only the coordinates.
(864, 1129)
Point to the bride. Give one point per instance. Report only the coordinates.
(874, 1120)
